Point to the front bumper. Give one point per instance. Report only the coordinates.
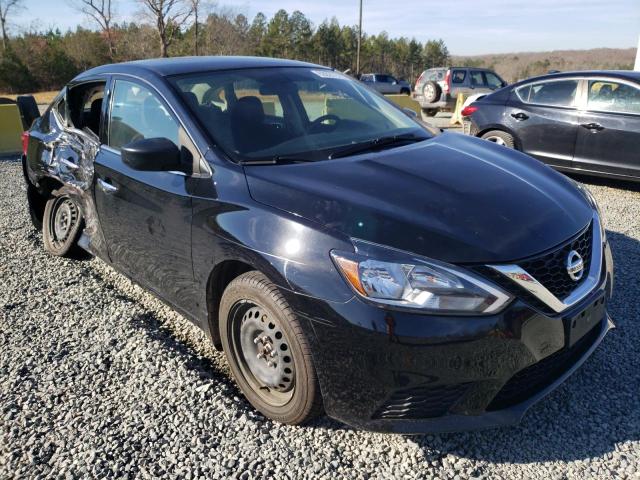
(402, 372)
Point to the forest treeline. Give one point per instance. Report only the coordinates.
(39, 61)
(36, 61)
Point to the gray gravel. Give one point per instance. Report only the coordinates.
(101, 379)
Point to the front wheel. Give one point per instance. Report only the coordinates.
(501, 138)
(267, 351)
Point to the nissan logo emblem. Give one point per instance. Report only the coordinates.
(575, 265)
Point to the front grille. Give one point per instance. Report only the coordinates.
(421, 402)
(534, 378)
(549, 269)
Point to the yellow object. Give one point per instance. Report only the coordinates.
(456, 118)
(10, 129)
(405, 101)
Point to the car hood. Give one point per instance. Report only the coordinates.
(453, 198)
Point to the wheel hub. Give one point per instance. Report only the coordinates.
(65, 217)
(265, 350)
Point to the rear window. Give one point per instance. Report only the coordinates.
(561, 93)
(434, 75)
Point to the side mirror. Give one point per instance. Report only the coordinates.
(410, 113)
(152, 155)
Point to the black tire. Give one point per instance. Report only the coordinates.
(430, 112)
(62, 225)
(405, 91)
(249, 304)
(501, 138)
(431, 92)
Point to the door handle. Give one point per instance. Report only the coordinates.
(106, 187)
(594, 127)
(520, 116)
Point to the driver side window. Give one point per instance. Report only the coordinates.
(137, 113)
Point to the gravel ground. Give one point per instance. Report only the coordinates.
(101, 379)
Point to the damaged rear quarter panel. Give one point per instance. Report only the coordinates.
(67, 155)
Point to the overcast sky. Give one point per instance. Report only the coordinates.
(486, 26)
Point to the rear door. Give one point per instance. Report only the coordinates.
(609, 133)
(145, 215)
(544, 117)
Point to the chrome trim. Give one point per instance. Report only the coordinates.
(522, 278)
(106, 187)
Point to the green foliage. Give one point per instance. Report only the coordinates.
(48, 60)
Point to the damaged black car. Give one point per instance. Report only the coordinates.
(347, 258)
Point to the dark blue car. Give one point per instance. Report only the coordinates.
(347, 258)
(586, 122)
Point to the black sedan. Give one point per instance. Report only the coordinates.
(586, 122)
(346, 257)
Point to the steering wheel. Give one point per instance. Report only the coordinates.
(314, 125)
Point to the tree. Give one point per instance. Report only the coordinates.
(196, 7)
(169, 16)
(101, 12)
(6, 7)
(435, 54)
(257, 32)
(300, 31)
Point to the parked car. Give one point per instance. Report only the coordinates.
(437, 88)
(345, 257)
(576, 121)
(386, 84)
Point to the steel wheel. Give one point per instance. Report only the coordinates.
(262, 350)
(62, 225)
(268, 351)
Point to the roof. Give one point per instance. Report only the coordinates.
(183, 65)
(623, 74)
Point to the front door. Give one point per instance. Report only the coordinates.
(145, 215)
(609, 134)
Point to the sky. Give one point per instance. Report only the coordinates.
(468, 27)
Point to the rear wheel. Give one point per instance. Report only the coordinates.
(405, 91)
(61, 225)
(499, 137)
(430, 112)
(267, 350)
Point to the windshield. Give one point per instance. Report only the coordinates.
(258, 114)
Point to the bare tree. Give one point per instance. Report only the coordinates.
(101, 12)
(6, 6)
(169, 16)
(195, 6)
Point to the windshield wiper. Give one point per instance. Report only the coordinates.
(376, 143)
(277, 160)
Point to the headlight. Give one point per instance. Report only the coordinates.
(390, 277)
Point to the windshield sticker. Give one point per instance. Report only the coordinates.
(328, 74)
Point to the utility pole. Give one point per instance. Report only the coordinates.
(637, 66)
(359, 42)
